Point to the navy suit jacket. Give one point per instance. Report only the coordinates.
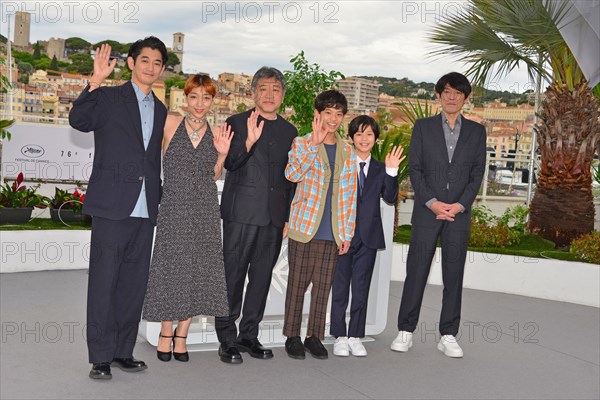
(120, 161)
(432, 174)
(378, 184)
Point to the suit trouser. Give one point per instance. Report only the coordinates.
(354, 269)
(420, 255)
(119, 263)
(247, 250)
(312, 262)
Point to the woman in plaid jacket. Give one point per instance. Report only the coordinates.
(321, 222)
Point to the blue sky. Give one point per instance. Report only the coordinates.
(385, 38)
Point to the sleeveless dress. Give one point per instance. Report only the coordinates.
(187, 276)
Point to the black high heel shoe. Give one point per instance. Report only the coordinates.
(163, 355)
(180, 356)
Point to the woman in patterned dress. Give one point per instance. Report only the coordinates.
(187, 276)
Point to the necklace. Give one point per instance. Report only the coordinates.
(195, 135)
(195, 120)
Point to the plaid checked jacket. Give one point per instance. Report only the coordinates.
(308, 166)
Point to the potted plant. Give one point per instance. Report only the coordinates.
(66, 206)
(17, 201)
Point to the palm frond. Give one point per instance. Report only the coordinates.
(493, 37)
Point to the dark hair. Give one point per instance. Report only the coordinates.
(200, 80)
(361, 123)
(331, 99)
(152, 42)
(456, 81)
(268, 72)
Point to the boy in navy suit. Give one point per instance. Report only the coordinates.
(355, 268)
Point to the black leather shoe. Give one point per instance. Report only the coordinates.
(316, 349)
(254, 347)
(294, 348)
(100, 371)
(129, 364)
(229, 353)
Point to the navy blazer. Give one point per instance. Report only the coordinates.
(120, 161)
(433, 175)
(378, 184)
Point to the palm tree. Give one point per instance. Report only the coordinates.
(495, 36)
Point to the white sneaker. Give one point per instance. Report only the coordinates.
(449, 347)
(340, 347)
(356, 347)
(403, 341)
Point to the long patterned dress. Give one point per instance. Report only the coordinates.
(187, 277)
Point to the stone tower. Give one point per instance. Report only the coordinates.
(56, 47)
(178, 50)
(22, 25)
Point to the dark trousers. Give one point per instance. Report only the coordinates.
(420, 255)
(354, 269)
(119, 263)
(312, 262)
(247, 250)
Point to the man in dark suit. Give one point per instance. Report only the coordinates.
(122, 196)
(254, 207)
(447, 160)
(375, 180)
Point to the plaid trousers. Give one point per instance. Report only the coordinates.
(313, 262)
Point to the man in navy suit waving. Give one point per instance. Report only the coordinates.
(355, 268)
(122, 196)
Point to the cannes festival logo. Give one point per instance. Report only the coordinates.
(32, 151)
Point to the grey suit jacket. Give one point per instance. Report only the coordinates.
(433, 175)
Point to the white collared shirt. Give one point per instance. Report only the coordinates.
(389, 171)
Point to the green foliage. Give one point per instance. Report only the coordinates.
(172, 60)
(24, 67)
(77, 43)
(241, 107)
(5, 86)
(302, 86)
(415, 111)
(596, 171)
(482, 214)
(384, 119)
(587, 247)
(22, 56)
(392, 135)
(54, 63)
(41, 224)
(385, 143)
(528, 246)
(177, 81)
(515, 217)
(65, 200)
(20, 196)
(596, 91)
(37, 52)
(115, 46)
(487, 230)
(400, 87)
(494, 38)
(5, 123)
(83, 63)
(43, 63)
(498, 235)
